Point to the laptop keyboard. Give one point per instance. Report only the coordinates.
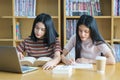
(28, 68)
(24, 68)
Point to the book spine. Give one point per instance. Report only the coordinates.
(85, 10)
(81, 7)
(71, 5)
(30, 8)
(16, 7)
(98, 9)
(26, 7)
(118, 7)
(18, 34)
(92, 7)
(23, 8)
(34, 8)
(67, 7)
(20, 8)
(89, 7)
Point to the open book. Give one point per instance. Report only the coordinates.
(31, 61)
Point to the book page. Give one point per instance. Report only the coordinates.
(27, 61)
(41, 61)
(82, 66)
(44, 58)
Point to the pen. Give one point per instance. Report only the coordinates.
(102, 54)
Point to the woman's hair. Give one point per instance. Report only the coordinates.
(50, 34)
(90, 23)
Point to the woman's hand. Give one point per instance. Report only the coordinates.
(68, 61)
(21, 56)
(49, 65)
(65, 60)
(52, 63)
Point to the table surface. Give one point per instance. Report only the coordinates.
(112, 72)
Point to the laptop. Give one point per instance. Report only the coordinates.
(9, 61)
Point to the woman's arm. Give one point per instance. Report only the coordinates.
(20, 55)
(64, 59)
(109, 55)
(85, 60)
(53, 62)
(110, 58)
(107, 52)
(57, 57)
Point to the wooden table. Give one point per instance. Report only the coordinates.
(112, 73)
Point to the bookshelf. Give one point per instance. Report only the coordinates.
(108, 23)
(8, 19)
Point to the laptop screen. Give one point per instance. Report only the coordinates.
(9, 60)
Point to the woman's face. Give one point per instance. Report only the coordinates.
(84, 32)
(39, 30)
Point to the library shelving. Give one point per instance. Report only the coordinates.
(108, 23)
(9, 18)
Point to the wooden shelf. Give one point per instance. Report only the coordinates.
(6, 39)
(8, 19)
(108, 24)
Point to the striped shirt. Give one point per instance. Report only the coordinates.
(39, 48)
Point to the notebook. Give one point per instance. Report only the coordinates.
(9, 61)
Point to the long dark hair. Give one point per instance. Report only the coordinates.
(90, 23)
(51, 34)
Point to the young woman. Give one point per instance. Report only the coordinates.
(88, 43)
(43, 41)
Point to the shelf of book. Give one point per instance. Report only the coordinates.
(108, 22)
(24, 12)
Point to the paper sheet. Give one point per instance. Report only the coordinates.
(82, 66)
